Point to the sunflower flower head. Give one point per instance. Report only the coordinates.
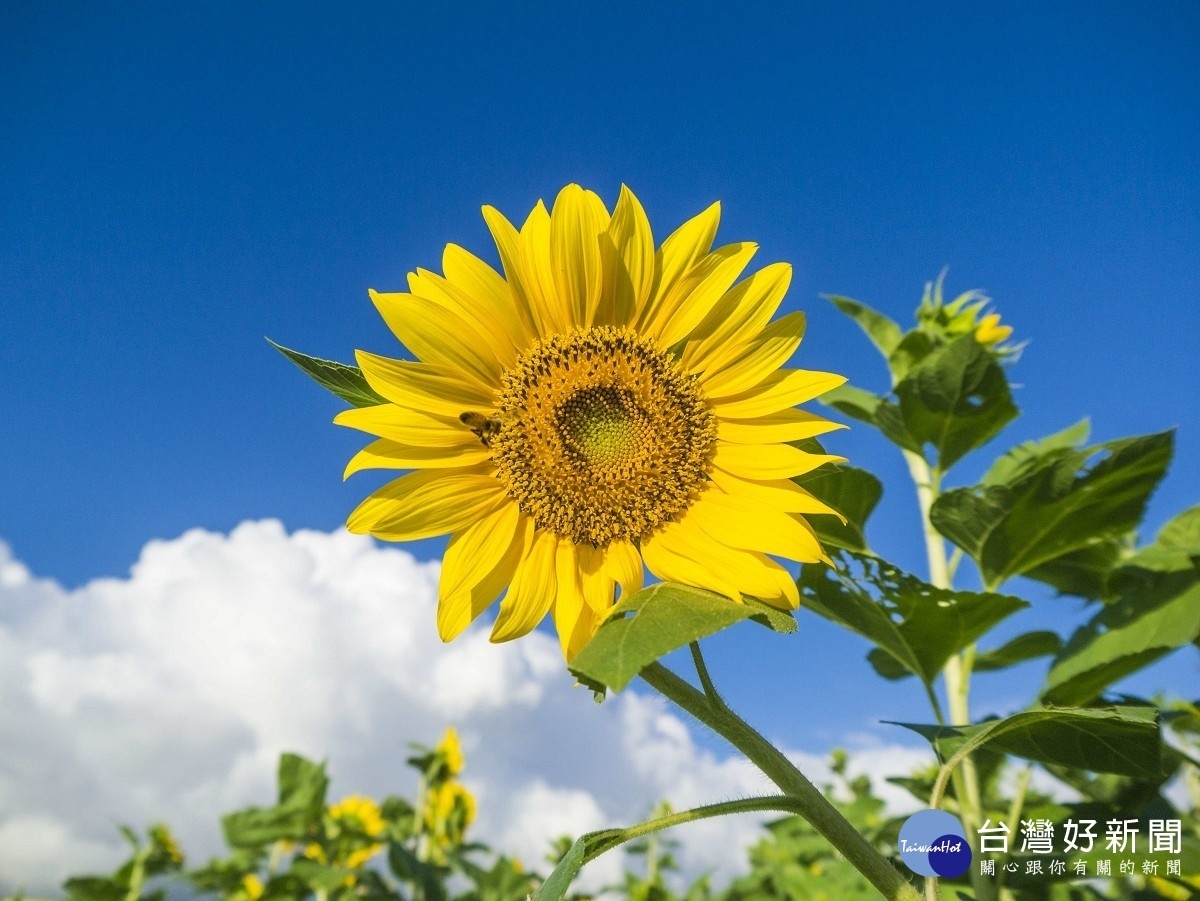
(251, 887)
(602, 406)
(449, 811)
(990, 332)
(965, 315)
(450, 752)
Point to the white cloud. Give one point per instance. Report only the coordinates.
(170, 694)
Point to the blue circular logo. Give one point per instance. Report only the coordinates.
(934, 843)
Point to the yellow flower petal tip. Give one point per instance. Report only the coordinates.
(593, 408)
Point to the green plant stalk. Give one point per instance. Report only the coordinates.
(810, 803)
(137, 876)
(1014, 815)
(611, 838)
(957, 672)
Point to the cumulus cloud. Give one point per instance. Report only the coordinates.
(170, 694)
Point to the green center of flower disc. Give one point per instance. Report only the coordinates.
(602, 426)
(603, 438)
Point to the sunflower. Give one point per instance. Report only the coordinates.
(600, 409)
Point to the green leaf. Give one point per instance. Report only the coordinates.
(94, 888)
(424, 876)
(915, 624)
(1028, 646)
(883, 332)
(1054, 508)
(665, 616)
(1154, 608)
(302, 787)
(956, 399)
(319, 875)
(781, 621)
(852, 492)
(347, 382)
(874, 410)
(1033, 454)
(558, 883)
(1123, 740)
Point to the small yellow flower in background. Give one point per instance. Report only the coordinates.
(450, 752)
(252, 886)
(990, 332)
(162, 838)
(360, 813)
(603, 406)
(449, 811)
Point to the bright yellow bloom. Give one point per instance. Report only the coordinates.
(361, 813)
(451, 752)
(252, 886)
(449, 810)
(990, 332)
(602, 407)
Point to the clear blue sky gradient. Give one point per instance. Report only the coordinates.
(179, 180)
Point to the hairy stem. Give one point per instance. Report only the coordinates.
(810, 803)
(957, 672)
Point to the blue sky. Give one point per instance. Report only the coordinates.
(179, 180)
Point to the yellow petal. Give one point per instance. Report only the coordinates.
(508, 244)
(427, 503)
(686, 245)
(781, 494)
(738, 317)
(786, 425)
(407, 426)
(741, 571)
(694, 295)
(441, 334)
(479, 285)
(568, 598)
(585, 628)
(595, 581)
(764, 355)
(631, 279)
(423, 387)
(787, 594)
(387, 454)
(669, 555)
(551, 314)
(753, 526)
(768, 461)
(575, 227)
(778, 391)
(479, 562)
(531, 593)
(624, 564)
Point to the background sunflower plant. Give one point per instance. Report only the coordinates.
(605, 406)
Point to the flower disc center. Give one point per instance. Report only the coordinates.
(603, 437)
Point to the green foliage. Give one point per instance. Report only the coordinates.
(914, 626)
(347, 382)
(1153, 608)
(1122, 740)
(854, 493)
(150, 859)
(1034, 513)
(302, 787)
(955, 399)
(1026, 646)
(663, 617)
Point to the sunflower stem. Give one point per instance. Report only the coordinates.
(957, 672)
(810, 803)
(706, 681)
